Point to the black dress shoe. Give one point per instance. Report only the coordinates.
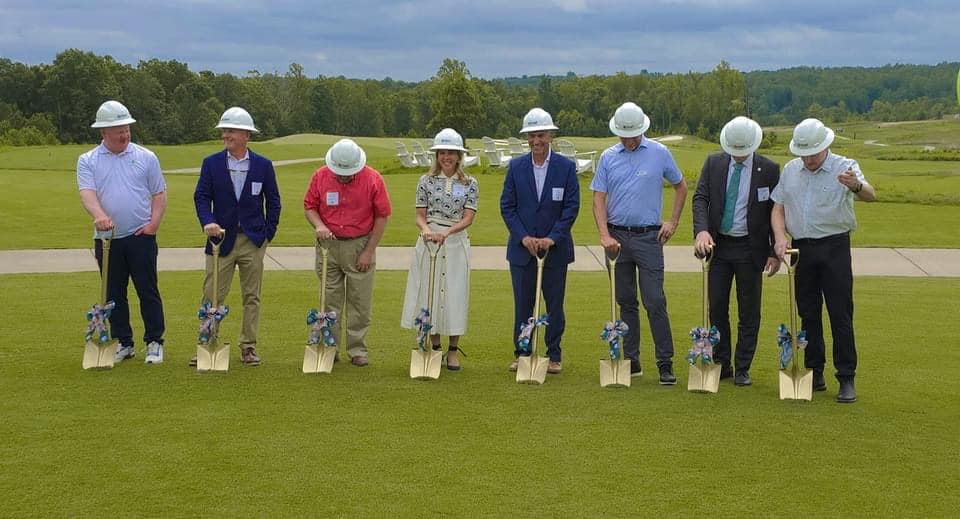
(819, 384)
(742, 379)
(635, 369)
(666, 376)
(725, 372)
(848, 393)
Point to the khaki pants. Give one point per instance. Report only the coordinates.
(347, 286)
(248, 258)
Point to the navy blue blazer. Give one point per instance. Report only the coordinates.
(256, 215)
(552, 215)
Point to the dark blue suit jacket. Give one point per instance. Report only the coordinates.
(526, 215)
(257, 216)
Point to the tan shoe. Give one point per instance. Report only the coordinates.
(453, 363)
(554, 367)
(514, 364)
(248, 356)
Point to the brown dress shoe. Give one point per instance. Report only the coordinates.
(359, 360)
(193, 361)
(248, 356)
(554, 367)
(513, 365)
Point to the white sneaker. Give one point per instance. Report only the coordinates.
(123, 353)
(154, 353)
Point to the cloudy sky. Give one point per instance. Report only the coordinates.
(408, 39)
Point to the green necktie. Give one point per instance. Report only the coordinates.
(730, 202)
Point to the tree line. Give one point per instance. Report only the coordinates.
(56, 102)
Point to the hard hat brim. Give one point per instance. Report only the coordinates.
(540, 128)
(111, 124)
(806, 152)
(629, 134)
(436, 147)
(345, 172)
(237, 127)
(741, 152)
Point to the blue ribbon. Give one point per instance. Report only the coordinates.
(523, 340)
(424, 325)
(704, 341)
(612, 332)
(210, 317)
(97, 322)
(321, 324)
(786, 345)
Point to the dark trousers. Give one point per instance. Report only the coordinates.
(733, 260)
(824, 273)
(553, 285)
(642, 254)
(133, 257)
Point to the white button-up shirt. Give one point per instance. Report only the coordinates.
(815, 203)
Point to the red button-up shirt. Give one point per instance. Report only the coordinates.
(348, 210)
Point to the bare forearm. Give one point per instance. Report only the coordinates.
(158, 207)
(600, 213)
(679, 200)
(379, 225)
(91, 204)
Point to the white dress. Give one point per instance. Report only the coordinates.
(445, 200)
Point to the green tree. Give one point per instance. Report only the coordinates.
(77, 84)
(455, 99)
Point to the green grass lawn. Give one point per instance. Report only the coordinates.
(41, 209)
(269, 441)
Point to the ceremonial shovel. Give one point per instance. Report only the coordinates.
(614, 371)
(321, 349)
(99, 350)
(796, 382)
(704, 374)
(532, 369)
(425, 362)
(212, 355)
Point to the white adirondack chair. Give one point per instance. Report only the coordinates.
(517, 147)
(425, 159)
(495, 152)
(586, 161)
(406, 159)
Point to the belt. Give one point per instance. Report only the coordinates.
(727, 237)
(832, 237)
(638, 230)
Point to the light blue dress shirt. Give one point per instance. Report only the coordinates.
(633, 182)
(815, 203)
(238, 171)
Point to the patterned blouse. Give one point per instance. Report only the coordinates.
(446, 198)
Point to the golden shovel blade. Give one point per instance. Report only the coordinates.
(796, 384)
(319, 359)
(703, 378)
(532, 370)
(99, 356)
(213, 356)
(425, 365)
(615, 373)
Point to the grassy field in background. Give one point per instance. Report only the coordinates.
(918, 198)
(163, 440)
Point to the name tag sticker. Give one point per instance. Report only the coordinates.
(763, 194)
(333, 198)
(255, 188)
(558, 194)
(458, 190)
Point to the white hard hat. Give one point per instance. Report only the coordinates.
(810, 137)
(537, 120)
(112, 113)
(238, 119)
(346, 158)
(629, 121)
(741, 136)
(448, 139)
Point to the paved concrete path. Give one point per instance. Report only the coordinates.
(866, 261)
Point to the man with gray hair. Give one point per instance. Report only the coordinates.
(123, 190)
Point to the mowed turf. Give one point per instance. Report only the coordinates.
(917, 198)
(270, 441)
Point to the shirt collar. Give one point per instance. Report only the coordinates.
(246, 156)
(546, 161)
(623, 149)
(106, 151)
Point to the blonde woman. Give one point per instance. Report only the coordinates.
(446, 204)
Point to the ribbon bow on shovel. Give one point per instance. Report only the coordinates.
(786, 348)
(703, 343)
(210, 316)
(422, 321)
(97, 322)
(523, 340)
(320, 327)
(612, 331)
